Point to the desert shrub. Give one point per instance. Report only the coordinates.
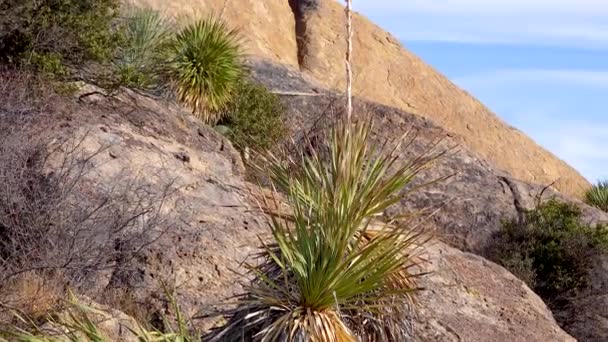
(140, 59)
(332, 272)
(254, 117)
(57, 227)
(551, 249)
(597, 196)
(206, 67)
(48, 34)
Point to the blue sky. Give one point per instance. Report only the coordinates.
(541, 65)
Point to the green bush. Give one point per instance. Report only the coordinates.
(48, 34)
(551, 249)
(254, 118)
(206, 67)
(597, 196)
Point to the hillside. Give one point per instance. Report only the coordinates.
(141, 153)
(310, 34)
(156, 185)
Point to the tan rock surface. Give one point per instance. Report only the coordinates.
(468, 298)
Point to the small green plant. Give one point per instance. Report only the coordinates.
(597, 196)
(140, 59)
(254, 118)
(48, 34)
(206, 67)
(551, 249)
(80, 323)
(334, 273)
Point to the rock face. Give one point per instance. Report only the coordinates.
(309, 34)
(387, 73)
(209, 224)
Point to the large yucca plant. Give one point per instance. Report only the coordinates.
(597, 196)
(206, 67)
(334, 272)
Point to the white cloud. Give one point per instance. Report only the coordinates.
(488, 7)
(580, 143)
(579, 23)
(579, 138)
(596, 79)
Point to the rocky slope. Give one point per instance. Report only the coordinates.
(309, 34)
(214, 225)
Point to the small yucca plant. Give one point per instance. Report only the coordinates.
(147, 33)
(334, 273)
(206, 67)
(597, 196)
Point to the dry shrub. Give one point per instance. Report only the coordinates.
(58, 228)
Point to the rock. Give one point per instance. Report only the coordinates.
(468, 298)
(206, 226)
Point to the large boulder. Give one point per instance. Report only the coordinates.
(468, 298)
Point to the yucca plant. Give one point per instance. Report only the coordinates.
(334, 271)
(147, 33)
(206, 67)
(597, 196)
